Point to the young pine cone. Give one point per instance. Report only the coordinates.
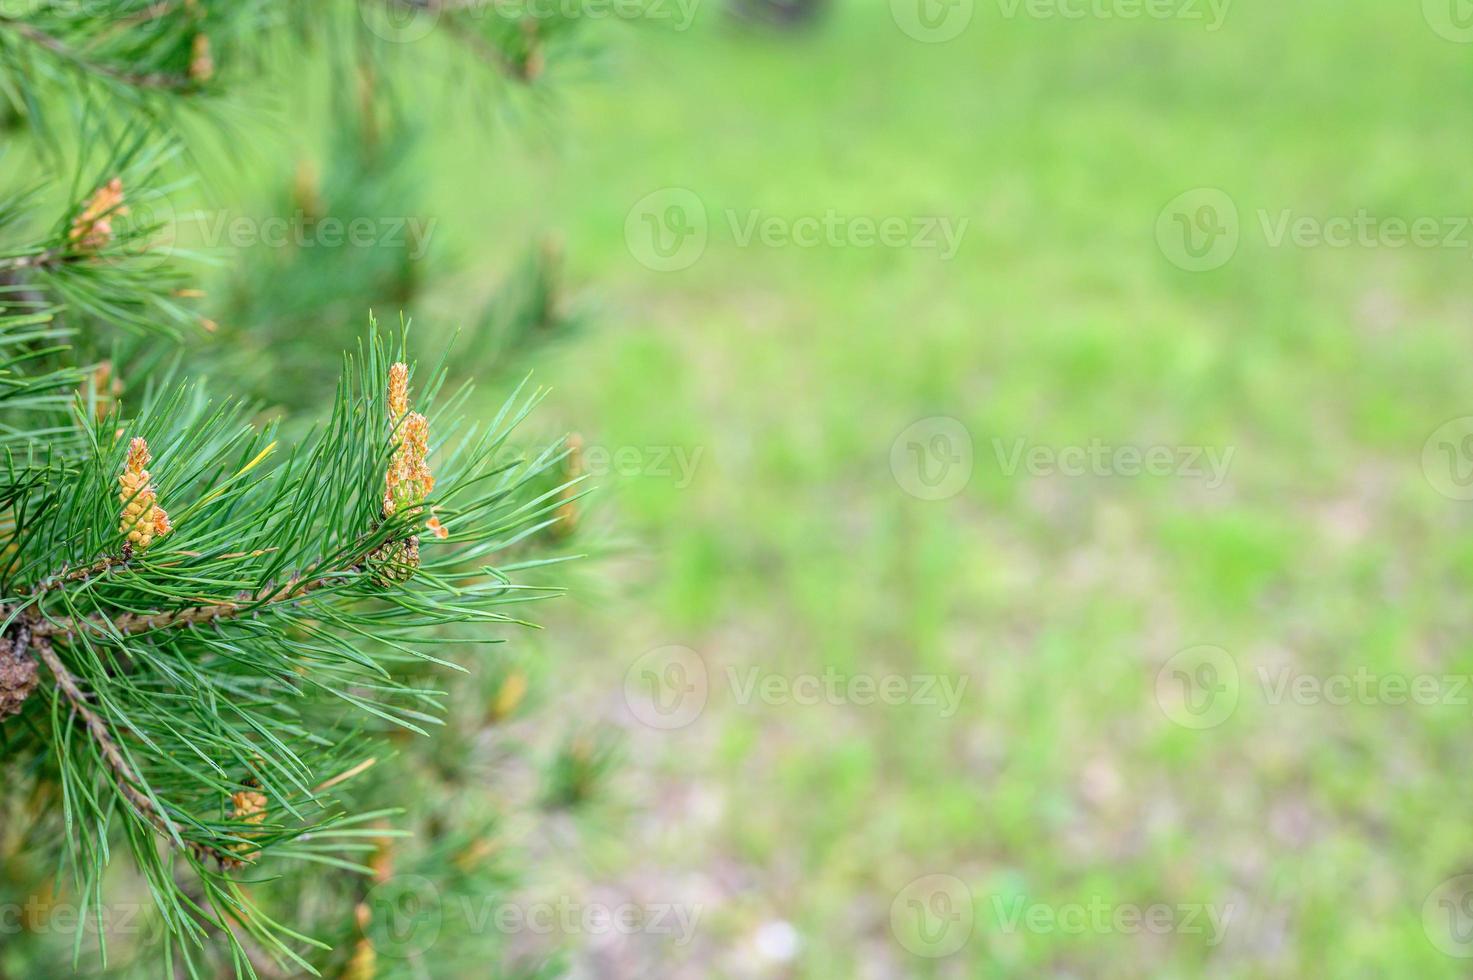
(17, 679)
(394, 563)
(142, 519)
(92, 229)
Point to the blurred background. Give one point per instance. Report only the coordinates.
(1034, 444)
(1151, 462)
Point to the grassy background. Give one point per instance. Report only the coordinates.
(1060, 321)
(1321, 832)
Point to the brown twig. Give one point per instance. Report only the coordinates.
(52, 256)
(58, 47)
(65, 577)
(131, 623)
(126, 778)
(478, 45)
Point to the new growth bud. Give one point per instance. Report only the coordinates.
(408, 482)
(92, 229)
(142, 519)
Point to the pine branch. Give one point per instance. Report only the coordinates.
(296, 587)
(145, 80)
(40, 260)
(66, 577)
(126, 779)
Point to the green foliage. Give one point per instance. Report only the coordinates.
(224, 700)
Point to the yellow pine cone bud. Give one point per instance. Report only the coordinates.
(406, 485)
(409, 480)
(398, 391)
(142, 519)
(201, 64)
(364, 963)
(249, 806)
(93, 229)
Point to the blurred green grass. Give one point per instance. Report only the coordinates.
(1060, 321)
